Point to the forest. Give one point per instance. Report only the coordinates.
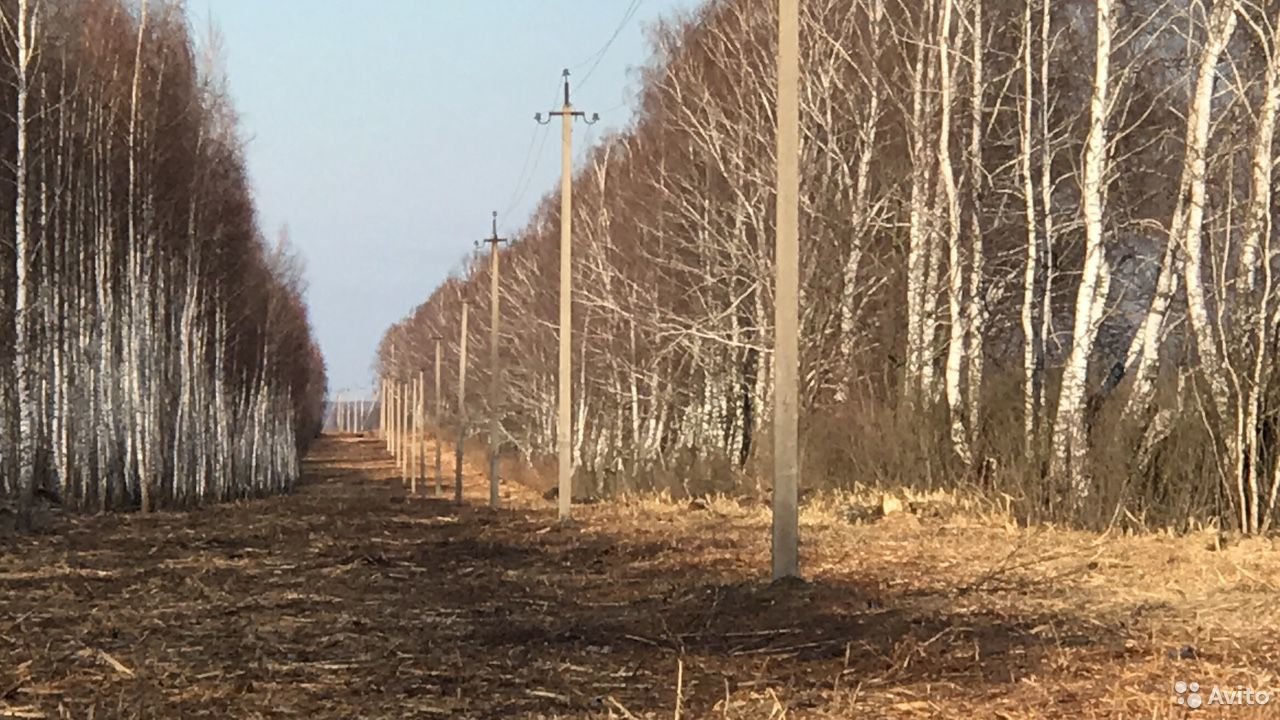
(1039, 317)
(1038, 256)
(155, 348)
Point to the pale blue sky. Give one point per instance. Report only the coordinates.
(385, 132)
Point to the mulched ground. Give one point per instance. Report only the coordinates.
(352, 599)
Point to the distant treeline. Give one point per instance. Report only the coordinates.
(1039, 261)
(155, 350)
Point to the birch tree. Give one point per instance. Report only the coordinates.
(22, 30)
(1070, 449)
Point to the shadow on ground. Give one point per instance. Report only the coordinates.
(350, 599)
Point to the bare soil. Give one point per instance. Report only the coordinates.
(352, 598)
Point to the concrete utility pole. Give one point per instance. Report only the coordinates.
(398, 402)
(395, 417)
(415, 446)
(462, 409)
(389, 391)
(786, 351)
(439, 422)
(405, 429)
(420, 470)
(495, 362)
(415, 429)
(564, 426)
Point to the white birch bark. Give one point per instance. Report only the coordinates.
(918, 334)
(24, 31)
(1257, 241)
(1183, 262)
(976, 321)
(851, 303)
(1222, 23)
(139, 446)
(1032, 307)
(1069, 443)
(956, 281)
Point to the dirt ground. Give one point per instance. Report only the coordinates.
(353, 599)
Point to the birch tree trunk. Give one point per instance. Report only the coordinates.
(1032, 306)
(1070, 437)
(1257, 240)
(851, 299)
(956, 347)
(1222, 23)
(976, 321)
(24, 30)
(919, 333)
(140, 454)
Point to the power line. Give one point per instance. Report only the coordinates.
(619, 106)
(523, 180)
(524, 168)
(593, 56)
(527, 171)
(599, 55)
(526, 179)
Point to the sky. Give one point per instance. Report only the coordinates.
(385, 133)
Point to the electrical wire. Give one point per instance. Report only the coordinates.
(526, 179)
(599, 55)
(528, 171)
(524, 169)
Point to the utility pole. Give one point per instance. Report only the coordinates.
(414, 428)
(495, 363)
(395, 417)
(439, 422)
(786, 351)
(462, 409)
(398, 403)
(420, 471)
(389, 388)
(405, 429)
(564, 426)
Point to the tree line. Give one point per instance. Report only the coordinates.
(1038, 261)
(155, 349)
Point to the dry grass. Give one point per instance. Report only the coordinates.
(349, 599)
